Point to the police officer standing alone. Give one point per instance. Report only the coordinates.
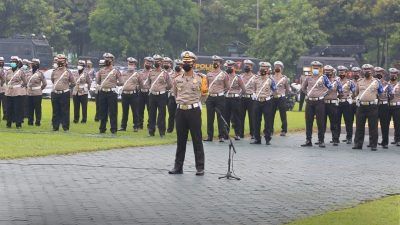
(62, 80)
(316, 87)
(108, 79)
(394, 104)
(247, 98)
(160, 83)
(279, 100)
(188, 90)
(171, 99)
(264, 87)
(36, 82)
(383, 106)
(144, 92)
(130, 95)
(367, 91)
(80, 92)
(218, 84)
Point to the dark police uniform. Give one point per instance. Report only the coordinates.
(232, 105)
(394, 104)
(316, 86)
(345, 108)
(36, 82)
(367, 91)
(160, 83)
(80, 92)
(108, 78)
(247, 98)
(264, 87)
(218, 84)
(279, 98)
(62, 80)
(131, 85)
(187, 91)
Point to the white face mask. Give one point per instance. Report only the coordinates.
(25, 67)
(55, 66)
(80, 67)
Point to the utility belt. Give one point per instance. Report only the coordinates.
(247, 96)
(367, 103)
(35, 88)
(129, 92)
(84, 87)
(279, 96)
(216, 95)
(61, 91)
(158, 93)
(349, 100)
(333, 101)
(144, 90)
(187, 107)
(315, 99)
(394, 103)
(382, 102)
(232, 95)
(108, 89)
(264, 99)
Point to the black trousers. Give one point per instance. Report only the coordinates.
(15, 112)
(130, 101)
(60, 104)
(394, 112)
(279, 104)
(34, 109)
(96, 99)
(232, 114)
(365, 112)
(213, 103)
(171, 112)
(331, 112)
(346, 111)
(108, 108)
(262, 109)
(80, 100)
(157, 103)
(3, 101)
(302, 98)
(247, 107)
(315, 109)
(189, 120)
(26, 107)
(143, 103)
(384, 120)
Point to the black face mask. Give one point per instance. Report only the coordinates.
(247, 69)
(157, 65)
(108, 63)
(166, 67)
(277, 70)
(178, 69)
(187, 67)
(229, 70)
(147, 67)
(393, 78)
(367, 74)
(379, 76)
(356, 77)
(342, 76)
(215, 65)
(60, 64)
(263, 72)
(35, 67)
(2, 65)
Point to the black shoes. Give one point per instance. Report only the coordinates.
(200, 173)
(267, 142)
(135, 130)
(255, 142)
(373, 149)
(83, 121)
(175, 171)
(208, 139)
(122, 129)
(237, 138)
(75, 121)
(307, 144)
(221, 140)
(321, 144)
(170, 130)
(385, 146)
(283, 134)
(151, 134)
(357, 147)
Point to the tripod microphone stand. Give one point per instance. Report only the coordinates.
(229, 175)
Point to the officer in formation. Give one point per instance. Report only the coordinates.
(101, 66)
(80, 91)
(331, 103)
(233, 94)
(367, 91)
(188, 88)
(247, 97)
(303, 77)
(144, 91)
(394, 104)
(108, 78)
(316, 87)
(36, 82)
(62, 80)
(218, 84)
(2, 90)
(345, 108)
(171, 100)
(279, 100)
(383, 106)
(264, 86)
(131, 85)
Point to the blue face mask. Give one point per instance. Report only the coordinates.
(24, 67)
(13, 65)
(315, 72)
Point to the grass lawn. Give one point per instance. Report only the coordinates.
(40, 141)
(385, 211)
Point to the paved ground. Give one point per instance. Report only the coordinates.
(280, 183)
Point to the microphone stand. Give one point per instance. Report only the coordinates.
(229, 175)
